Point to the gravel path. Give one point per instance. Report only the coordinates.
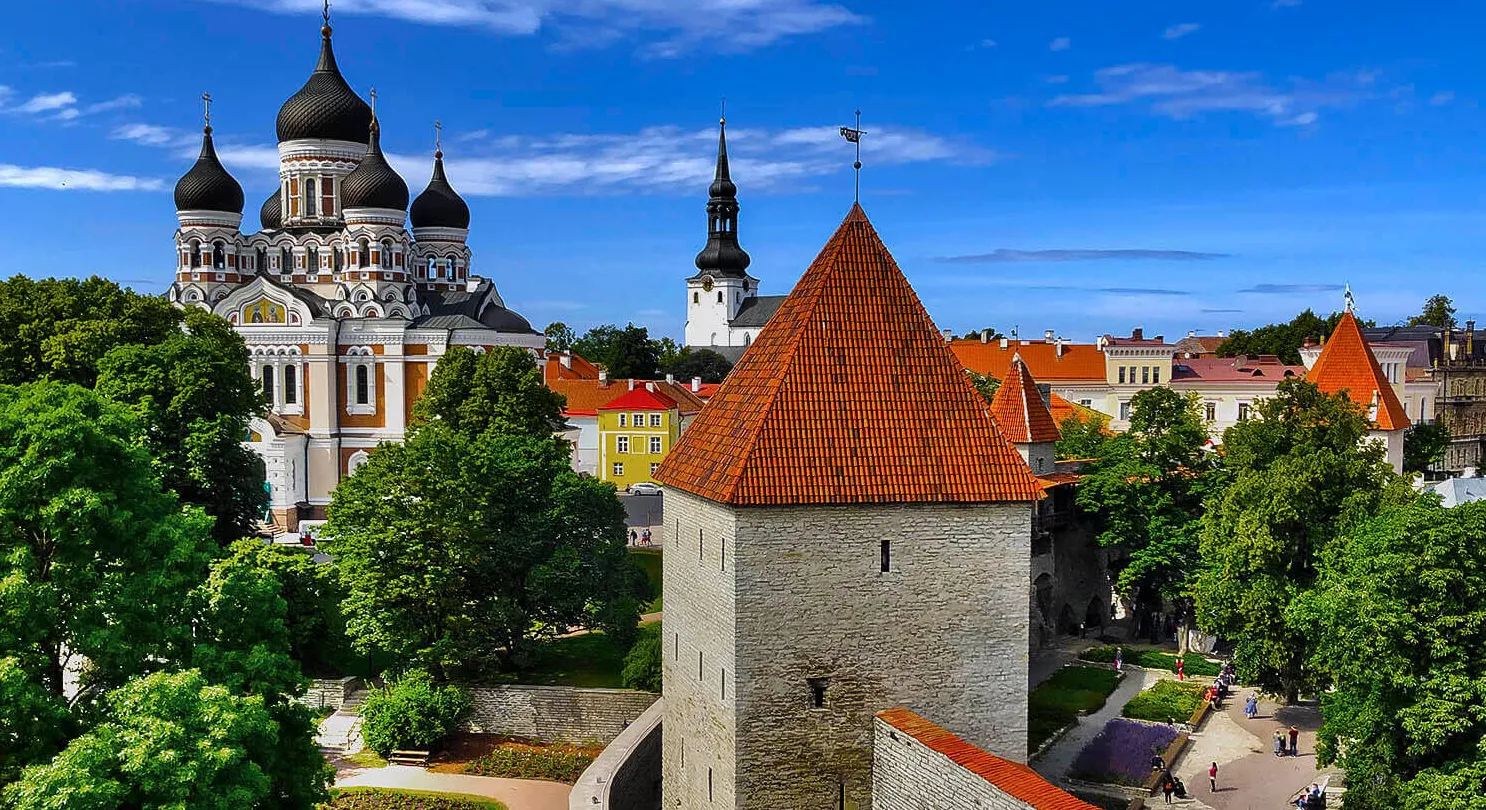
(1055, 762)
(516, 794)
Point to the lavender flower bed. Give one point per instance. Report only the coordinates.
(1121, 754)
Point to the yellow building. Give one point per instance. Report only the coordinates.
(636, 430)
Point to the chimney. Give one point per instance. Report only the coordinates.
(948, 335)
(650, 386)
(1309, 343)
(631, 383)
(1192, 333)
(696, 384)
(1137, 333)
(1047, 336)
(1220, 334)
(1003, 342)
(985, 336)
(1059, 343)
(670, 379)
(603, 378)
(1470, 339)
(566, 358)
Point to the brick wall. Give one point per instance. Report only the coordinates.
(909, 775)
(555, 713)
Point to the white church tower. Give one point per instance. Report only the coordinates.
(721, 285)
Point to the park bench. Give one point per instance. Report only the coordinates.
(419, 758)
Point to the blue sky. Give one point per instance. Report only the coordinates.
(1079, 166)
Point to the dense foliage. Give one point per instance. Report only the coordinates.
(985, 384)
(512, 760)
(1424, 444)
(705, 363)
(1121, 754)
(1300, 474)
(1282, 339)
(1399, 627)
(642, 664)
(383, 799)
(474, 538)
(1082, 436)
(1165, 702)
(626, 352)
(499, 390)
(411, 713)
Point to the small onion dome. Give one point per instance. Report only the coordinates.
(373, 183)
(326, 108)
(439, 206)
(271, 215)
(208, 186)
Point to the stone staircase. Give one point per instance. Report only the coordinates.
(340, 733)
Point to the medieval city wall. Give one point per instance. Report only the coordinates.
(626, 775)
(909, 775)
(699, 676)
(555, 713)
(943, 632)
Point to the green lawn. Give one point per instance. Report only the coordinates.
(1194, 664)
(385, 799)
(1059, 700)
(1165, 701)
(648, 560)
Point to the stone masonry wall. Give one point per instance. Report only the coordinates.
(943, 633)
(330, 692)
(698, 671)
(555, 713)
(908, 775)
(626, 775)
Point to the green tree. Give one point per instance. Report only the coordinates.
(411, 712)
(169, 740)
(705, 363)
(1438, 310)
(458, 548)
(642, 664)
(1081, 436)
(1146, 490)
(36, 722)
(560, 337)
(500, 390)
(194, 395)
(624, 353)
(1282, 339)
(1300, 473)
(597, 344)
(312, 594)
(1424, 444)
(1398, 624)
(985, 384)
(59, 329)
(667, 352)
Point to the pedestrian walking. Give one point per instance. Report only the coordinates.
(1251, 706)
(1119, 659)
(1294, 739)
(1168, 786)
(633, 538)
(1279, 743)
(1212, 777)
(645, 537)
(1180, 664)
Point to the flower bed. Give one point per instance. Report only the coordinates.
(383, 799)
(1121, 754)
(514, 760)
(1154, 659)
(1165, 702)
(1059, 700)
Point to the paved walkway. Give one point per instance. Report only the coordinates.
(1056, 761)
(516, 794)
(1055, 655)
(1258, 780)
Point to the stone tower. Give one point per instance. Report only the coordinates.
(849, 533)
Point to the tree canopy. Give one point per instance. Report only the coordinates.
(1300, 473)
(1438, 310)
(501, 389)
(629, 352)
(560, 337)
(695, 362)
(1424, 444)
(1399, 622)
(1082, 436)
(985, 384)
(1282, 339)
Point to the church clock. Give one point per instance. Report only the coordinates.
(706, 284)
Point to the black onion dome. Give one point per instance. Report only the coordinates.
(326, 108)
(373, 183)
(208, 186)
(722, 254)
(271, 215)
(439, 206)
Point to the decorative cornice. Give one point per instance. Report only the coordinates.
(430, 234)
(389, 217)
(218, 219)
(323, 150)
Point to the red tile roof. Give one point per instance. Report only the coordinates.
(1264, 369)
(585, 397)
(1019, 410)
(639, 398)
(576, 369)
(1347, 364)
(1081, 362)
(848, 396)
(1014, 779)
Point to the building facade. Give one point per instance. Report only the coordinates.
(344, 307)
(636, 431)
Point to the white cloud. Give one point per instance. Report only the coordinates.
(148, 134)
(63, 105)
(50, 177)
(1180, 30)
(730, 25)
(124, 102)
(1284, 3)
(1060, 44)
(47, 102)
(1441, 98)
(1184, 94)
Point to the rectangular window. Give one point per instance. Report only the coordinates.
(1145, 375)
(294, 196)
(1125, 411)
(654, 445)
(817, 692)
(291, 385)
(327, 196)
(1243, 411)
(653, 468)
(655, 420)
(1087, 403)
(621, 420)
(1156, 375)
(621, 444)
(887, 556)
(618, 469)
(1210, 410)
(639, 420)
(1122, 375)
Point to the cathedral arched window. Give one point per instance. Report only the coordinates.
(312, 259)
(219, 256)
(335, 254)
(284, 264)
(195, 253)
(433, 267)
(386, 256)
(453, 269)
(267, 376)
(309, 197)
(365, 258)
(363, 385)
(260, 258)
(291, 385)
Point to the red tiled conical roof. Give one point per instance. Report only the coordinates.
(849, 395)
(1347, 364)
(1019, 410)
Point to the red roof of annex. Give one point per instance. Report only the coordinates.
(1019, 410)
(848, 395)
(640, 398)
(1347, 364)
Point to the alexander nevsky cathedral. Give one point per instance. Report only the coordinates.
(345, 310)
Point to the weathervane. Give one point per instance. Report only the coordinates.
(206, 109)
(1349, 299)
(854, 135)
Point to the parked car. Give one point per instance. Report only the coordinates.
(644, 488)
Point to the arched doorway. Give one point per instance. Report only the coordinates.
(1067, 621)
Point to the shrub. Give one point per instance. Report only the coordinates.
(1164, 702)
(1121, 754)
(410, 712)
(383, 799)
(559, 763)
(1059, 700)
(642, 663)
(1154, 659)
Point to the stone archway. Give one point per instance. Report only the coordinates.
(1067, 620)
(1094, 614)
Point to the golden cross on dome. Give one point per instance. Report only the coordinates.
(206, 108)
(438, 136)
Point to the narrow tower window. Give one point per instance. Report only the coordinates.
(887, 556)
(364, 260)
(312, 260)
(817, 692)
(268, 382)
(291, 385)
(219, 256)
(363, 383)
(309, 198)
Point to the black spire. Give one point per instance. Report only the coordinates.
(373, 183)
(326, 107)
(208, 186)
(439, 206)
(722, 255)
